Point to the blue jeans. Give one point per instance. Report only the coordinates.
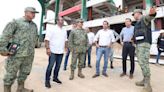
(66, 59)
(53, 58)
(96, 50)
(111, 55)
(158, 56)
(89, 56)
(100, 52)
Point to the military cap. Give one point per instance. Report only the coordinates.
(137, 11)
(79, 20)
(31, 9)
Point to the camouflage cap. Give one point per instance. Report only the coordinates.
(31, 9)
(79, 20)
(73, 22)
(137, 11)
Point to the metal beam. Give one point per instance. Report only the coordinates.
(95, 2)
(111, 6)
(70, 4)
(84, 12)
(161, 1)
(70, 10)
(42, 3)
(49, 3)
(56, 9)
(78, 2)
(61, 5)
(134, 3)
(149, 4)
(111, 1)
(90, 13)
(101, 12)
(67, 18)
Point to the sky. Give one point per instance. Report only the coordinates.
(13, 9)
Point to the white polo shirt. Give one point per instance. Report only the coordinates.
(91, 36)
(105, 37)
(56, 37)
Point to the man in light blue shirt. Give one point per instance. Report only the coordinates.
(126, 37)
(127, 34)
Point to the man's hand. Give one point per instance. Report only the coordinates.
(157, 46)
(97, 46)
(48, 51)
(6, 54)
(66, 50)
(122, 43)
(111, 45)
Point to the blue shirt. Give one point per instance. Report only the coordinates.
(126, 34)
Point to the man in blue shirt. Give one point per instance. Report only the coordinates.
(126, 36)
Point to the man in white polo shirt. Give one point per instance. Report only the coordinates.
(103, 40)
(55, 43)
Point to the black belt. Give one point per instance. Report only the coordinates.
(127, 42)
(103, 46)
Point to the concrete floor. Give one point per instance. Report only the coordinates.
(101, 84)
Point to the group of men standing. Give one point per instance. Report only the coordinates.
(23, 32)
(132, 37)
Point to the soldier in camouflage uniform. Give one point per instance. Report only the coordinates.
(143, 40)
(78, 44)
(22, 31)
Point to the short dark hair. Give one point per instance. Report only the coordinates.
(128, 19)
(90, 29)
(106, 22)
(79, 20)
(73, 22)
(57, 19)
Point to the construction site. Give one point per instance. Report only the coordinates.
(94, 12)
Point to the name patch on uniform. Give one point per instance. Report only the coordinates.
(140, 38)
(162, 39)
(161, 49)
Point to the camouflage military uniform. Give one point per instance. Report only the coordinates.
(143, 40)
(78, 44)
(143, 48)
(143, 54)
(24, 33)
